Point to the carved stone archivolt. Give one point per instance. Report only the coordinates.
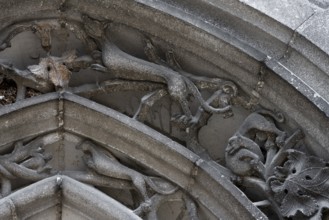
(264, 156)
(293, 183)
(30, 162)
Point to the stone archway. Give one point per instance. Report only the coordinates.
(204, 109)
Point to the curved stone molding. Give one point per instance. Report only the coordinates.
(203, 181)
(254, 74)
(36, 198)
(219, 45)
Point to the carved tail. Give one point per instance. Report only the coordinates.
(196, 93)
(278, 116)
(160, 185)
(125, 66)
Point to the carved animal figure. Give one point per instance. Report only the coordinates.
(51, 71)
(104, 163)
(128, 67)
(259, 127)
(125, 66)
(243, 154)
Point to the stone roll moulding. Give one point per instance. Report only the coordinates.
(164, 109)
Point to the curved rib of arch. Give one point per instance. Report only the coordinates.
(202, 180)
(62, 191)
(239, 42)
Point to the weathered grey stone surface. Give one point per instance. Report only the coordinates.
(171, 90)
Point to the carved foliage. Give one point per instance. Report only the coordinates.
(292, 182)
(301, 184)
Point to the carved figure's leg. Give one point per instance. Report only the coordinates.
(21, 90)
(280, 139)
(100, 68)
(139, 182)
(5, 187)
(147, 102)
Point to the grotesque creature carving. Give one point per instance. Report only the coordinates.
(49, 73)
(243, 156)
(56, 71)
(28, 162)
(257, 134)
(125, 66)
(293, 184)
(179, 83)
(104, 163)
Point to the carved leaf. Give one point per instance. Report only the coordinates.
(306, 187)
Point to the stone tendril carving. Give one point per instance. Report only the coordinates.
(261, 154)
(28, 162)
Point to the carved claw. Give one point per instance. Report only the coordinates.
(183, 121)
(99, 67)
(145, 207)
(96, 55)
(280, 140)
(45, 169)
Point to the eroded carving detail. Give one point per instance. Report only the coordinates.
(56, 71)
(30, 162)
(27, 162)
(103, 164)
(300, 186)
(261, 154)
(257, 134)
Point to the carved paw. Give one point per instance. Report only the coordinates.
(99, 67)
(45, 169)
(280, 140)
(183, 121)
(97, 55)
(145, 207)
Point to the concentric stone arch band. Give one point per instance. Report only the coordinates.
(118, 132)
(169, 109)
